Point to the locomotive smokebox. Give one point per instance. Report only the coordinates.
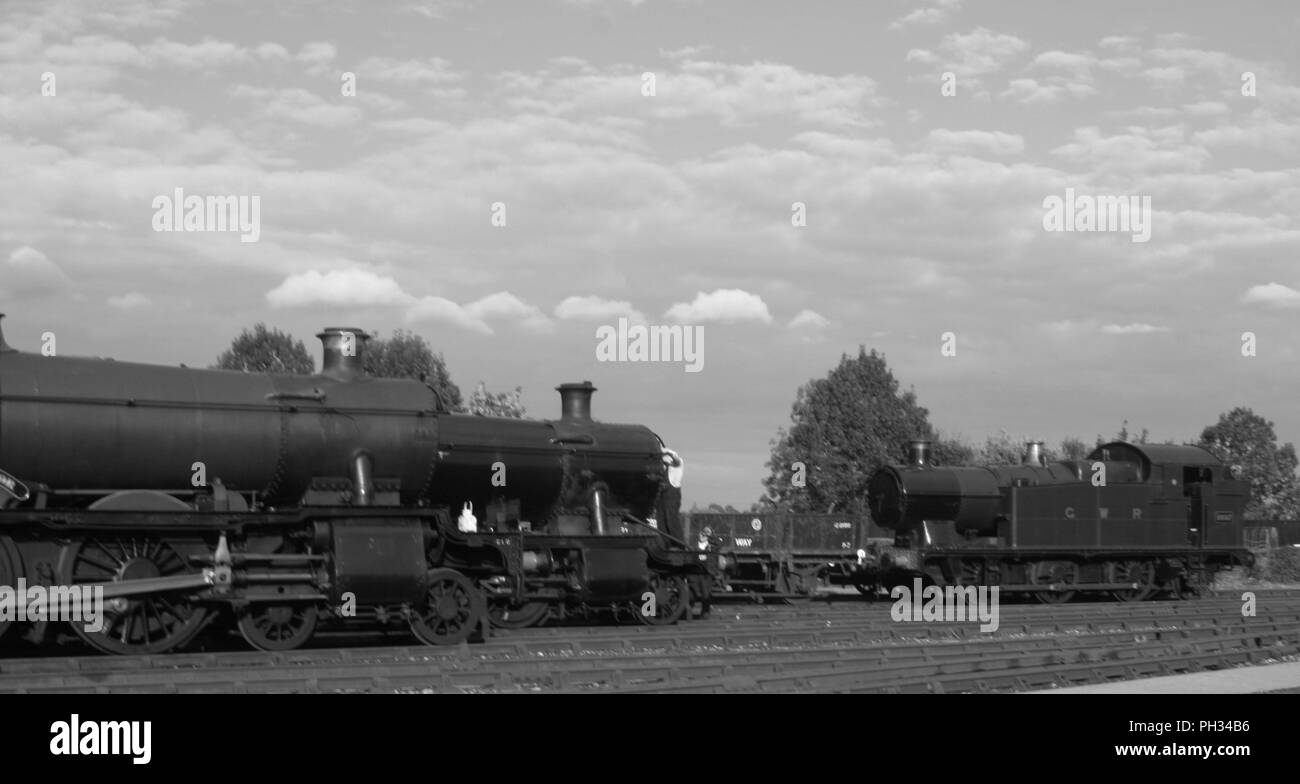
(918, 453)
(1033, 453)
(344, 352)
(575, 401)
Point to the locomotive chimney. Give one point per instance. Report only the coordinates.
(3, 345)
(918, 453)
(344, 352)
(575, 401)
(1033, 453)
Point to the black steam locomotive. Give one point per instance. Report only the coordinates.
(1131, 520)
(185, 495)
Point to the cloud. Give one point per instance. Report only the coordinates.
(928, 16)
(597, 309)
(448, 312)
(504, 305)
(28, 273)
(1273, 295)
(499, 306)
(337, 288)
(208, 53)
(316, 55)
(973, 54)
(433, 70)
(992, 142)
(1132, 329)
(724, 305)
(129, 301)
(810, 319)
(1054, 89)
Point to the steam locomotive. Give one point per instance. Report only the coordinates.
(182, 496)
(1131, 520)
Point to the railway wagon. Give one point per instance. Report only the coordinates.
(1130, 520)
(790, 553)
(184, 497)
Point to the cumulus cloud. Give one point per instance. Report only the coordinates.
(130, 301)
(991, 142)
(973, 54)
(502, 306)
(1273, 295)
(928, 16)
(338, 288)
(208, 53)
(724, 305)
(29, 273)
(316, 55)
(597, 309)
(506, 306)
(1132, 329)
(810, 319)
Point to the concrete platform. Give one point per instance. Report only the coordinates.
(1240, 680)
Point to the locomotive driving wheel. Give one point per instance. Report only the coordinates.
(504, 615)
(278, 627)
(452, 609)
(9, 573)
(145, 623)
(1058, 573)
(671, 597)
(1141, 572)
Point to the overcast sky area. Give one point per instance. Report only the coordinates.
(924, 211)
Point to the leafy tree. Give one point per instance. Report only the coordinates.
(1074, 448)
(264, 350)
(500, 404)
(1248, 444)
(408, 355)
(843, 428)
(1006, 449)
(1124, 435)
(951, 451)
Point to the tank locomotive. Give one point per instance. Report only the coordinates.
(1130, 520)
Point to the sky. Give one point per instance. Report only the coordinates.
(791, 180)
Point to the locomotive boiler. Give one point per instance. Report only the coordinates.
(1131, 520)
(187, 495)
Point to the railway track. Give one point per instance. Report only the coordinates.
(809, 647)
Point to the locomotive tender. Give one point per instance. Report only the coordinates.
(1131, 520)
(186, 495)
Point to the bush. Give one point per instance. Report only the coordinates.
(1279, 565)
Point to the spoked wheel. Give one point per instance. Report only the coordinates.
(148, 623)
(9, 574)
(452, 608)
(504, 616)
(1058, 573)
(671, 597)
(969, 572)
(1141, 572)
(278, 627)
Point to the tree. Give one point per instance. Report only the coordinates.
(500, 404)
(951, 451)
(1074, 448)
(408, 355)
(1006, 449)
(843, 428)
(1124, 435)
(1247, 443)
(264, 350)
